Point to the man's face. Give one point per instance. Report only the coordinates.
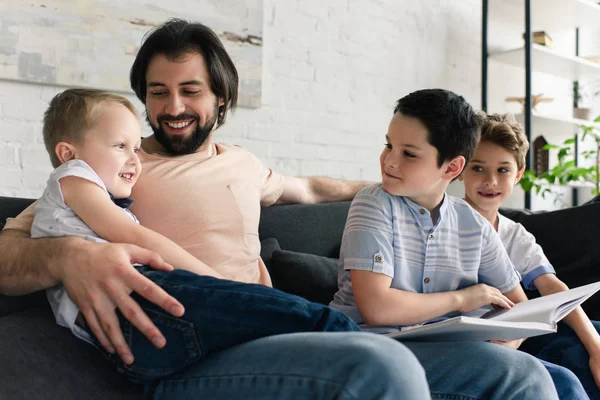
(181, 108)
(409, 163)
(490, 176)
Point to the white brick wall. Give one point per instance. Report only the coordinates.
(332, 71)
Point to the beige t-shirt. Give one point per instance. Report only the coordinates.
(207, 202)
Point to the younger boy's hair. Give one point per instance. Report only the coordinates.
(453, 126)
(504, 131)
(71, 113)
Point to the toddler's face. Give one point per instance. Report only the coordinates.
(490, 176)
(409, 164)
(110, 147)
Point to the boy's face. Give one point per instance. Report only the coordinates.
(181, 108)
(490, 176)
(110, 147)
(409, 163)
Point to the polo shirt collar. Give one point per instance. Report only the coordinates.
(422, 214)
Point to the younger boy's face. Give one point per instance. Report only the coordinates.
(490, 176)
(409, 163)
(110, 147)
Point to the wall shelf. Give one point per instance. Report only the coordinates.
(556, 15)
(546, 60)
(556, 128)
(513, 17)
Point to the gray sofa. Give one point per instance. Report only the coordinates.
(300, 244)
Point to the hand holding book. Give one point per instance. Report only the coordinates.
(529, 318)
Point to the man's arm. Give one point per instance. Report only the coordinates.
(23, 260)
(318, 190)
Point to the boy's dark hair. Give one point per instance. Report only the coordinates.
(504, 131)
(176, 38)
(71, 114)
(453, 127)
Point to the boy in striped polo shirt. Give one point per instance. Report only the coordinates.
(411, 254)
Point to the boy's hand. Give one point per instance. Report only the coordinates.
(595, 368)
(513, 344)
(99, 277)
(480, 295)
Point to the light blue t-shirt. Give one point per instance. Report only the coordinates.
(394, 236)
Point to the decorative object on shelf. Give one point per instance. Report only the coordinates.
(566, 172)
(535, 100)
(583, 97)
(541, 161)
(541, 38)
(595, 59)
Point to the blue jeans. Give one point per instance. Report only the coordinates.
(219, 314)
(358, 365)
(567, 384)
(565, 349)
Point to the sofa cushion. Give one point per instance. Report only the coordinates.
(310, 276)
(306, 228)
(267, 247)
(569, 238)
(41, 360)
(11, 304)
(11, 206)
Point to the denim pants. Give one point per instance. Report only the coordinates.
(219, 314)
(567, 384)
(565, 349)
(309, 365)
(358, 366)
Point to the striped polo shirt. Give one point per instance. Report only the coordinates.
(394, 236)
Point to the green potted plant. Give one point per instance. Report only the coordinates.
(566, 172)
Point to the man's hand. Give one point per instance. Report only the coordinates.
(480, 295)
(99, 277)
(513, 344)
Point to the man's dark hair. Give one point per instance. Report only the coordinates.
(453, 127)
(176, 38)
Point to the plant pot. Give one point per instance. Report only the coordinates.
(582, 113)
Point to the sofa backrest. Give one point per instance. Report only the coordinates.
(315, 229)
(569, 237)
(11, 206)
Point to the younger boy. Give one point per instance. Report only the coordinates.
(498, 164)
(93, 138)
(411, 254)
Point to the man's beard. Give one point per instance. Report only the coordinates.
(178, 144)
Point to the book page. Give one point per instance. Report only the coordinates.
(546, 309)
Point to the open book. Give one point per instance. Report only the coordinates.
(530, 318)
